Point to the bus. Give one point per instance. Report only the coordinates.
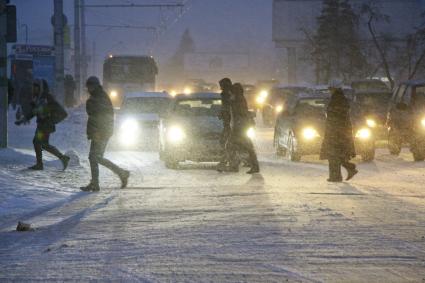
(125, 74)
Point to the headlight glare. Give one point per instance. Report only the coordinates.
(264, 93)
(371, 123)
(113, 93)
(175, 134)
(363, 134)
(129, 132)
(260, 100)
(279, 108)
(423, 122)
(310, 133)
(250, 133)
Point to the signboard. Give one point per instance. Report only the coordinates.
(35, 50)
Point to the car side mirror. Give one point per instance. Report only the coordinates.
(401, 106)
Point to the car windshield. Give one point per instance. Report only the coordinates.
(198, 107)
(278, 94)
(370, 85)
(375, 102)
(145, 105)
(311, 107)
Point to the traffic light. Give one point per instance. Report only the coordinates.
(11, 34)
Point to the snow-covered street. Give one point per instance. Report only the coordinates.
(197, 225)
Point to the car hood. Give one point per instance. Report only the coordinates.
(198, 125)
(148, 117)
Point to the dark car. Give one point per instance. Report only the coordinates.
(370, 108)
(191, 130)
(406, 119)
(274, 102)
(300, 129)
(138, 119)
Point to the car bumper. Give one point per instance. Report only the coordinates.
(199, 151)
(312, 147)
(148, 138)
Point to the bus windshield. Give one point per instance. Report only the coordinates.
(137, 70)
(145, 105)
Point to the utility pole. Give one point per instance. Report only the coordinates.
(77, 49)
(83, 57)
(3, 74)
(59, 52)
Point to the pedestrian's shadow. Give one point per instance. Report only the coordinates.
(255, 180)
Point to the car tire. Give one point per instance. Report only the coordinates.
(292, 150)
(368, 155)
(280, 151)
(394, 143)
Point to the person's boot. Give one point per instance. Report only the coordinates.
(124, 175)
(254, 169)
(65, 161)
(351, 174)
(37, 167)
(92, 187)
(331, 180)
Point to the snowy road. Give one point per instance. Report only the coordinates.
(196, 225)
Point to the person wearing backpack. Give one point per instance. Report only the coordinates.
(48, 113)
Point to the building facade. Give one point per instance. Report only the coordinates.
(292, 19)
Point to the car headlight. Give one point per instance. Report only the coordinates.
(251, 133)
(364, 134)
(279, 108)
(129, 132)
(310, 133)
(264, 93)
(260, 100)
(113, 93)
(187, 90)
(175, 134)
(371, 123)
(423, 122)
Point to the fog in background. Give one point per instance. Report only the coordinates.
(215, 26)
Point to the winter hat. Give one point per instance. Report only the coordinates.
(93, 81)
(336, 83)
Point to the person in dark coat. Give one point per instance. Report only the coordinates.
(338, 143)
(70, 87)
(100, 127)
(41, 107)
(225, 116)
(239, 140)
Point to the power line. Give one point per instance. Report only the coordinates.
(134, 6)
(152, 28)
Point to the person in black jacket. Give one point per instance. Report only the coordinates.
(338, 142)
(41, 107)
(241, 122)
(100, 127)
(225, 116)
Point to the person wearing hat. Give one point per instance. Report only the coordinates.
(42, 106)
(100, 127)
(338, 142)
